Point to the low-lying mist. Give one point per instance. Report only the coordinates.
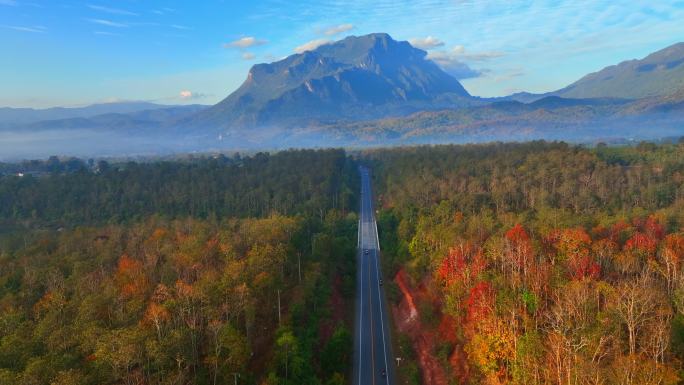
(84, 143)
(87, 143)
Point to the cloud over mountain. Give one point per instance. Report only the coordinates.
(311, 45)
(426, 43)
(338, 29)
(453, 65)
(245, 42)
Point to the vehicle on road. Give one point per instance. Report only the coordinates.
(365, 252)
(381, 282)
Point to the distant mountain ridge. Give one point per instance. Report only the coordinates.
(358, 77)
(128, 118)
(31, 115)
(368, 91)
(550, 118)
(658, 74)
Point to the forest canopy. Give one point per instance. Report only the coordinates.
(536, 263)
(286, 183)
(201, 271)
(518, 263)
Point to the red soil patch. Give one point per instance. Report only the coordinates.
(400, 279)
(423, 341)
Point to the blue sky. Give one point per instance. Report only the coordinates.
(78, 52)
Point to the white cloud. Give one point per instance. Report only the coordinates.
(114, 11)
(311, 45)
(426, 43)
(108, 23)
(8, 2)
(245, 42)
(509, 75)
(248, 56)
(104, 33)
(338, 29)
(163, 11)
(454, 61)
(189, 95)
(34, 29)
(181, 27)
(460, 51)
(451, 64)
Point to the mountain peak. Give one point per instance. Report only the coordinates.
(376, 41)
(673, 52)
(379, 39)
(362, 76)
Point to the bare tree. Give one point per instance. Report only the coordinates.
(636, 302)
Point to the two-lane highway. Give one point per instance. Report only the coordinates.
(373, 360)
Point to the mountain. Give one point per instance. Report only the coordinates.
(141, 121)
(30, 115)
(359, 77)
(658, 74)
(551, 119)
(522, 97)
(667, 104)
(364, 91)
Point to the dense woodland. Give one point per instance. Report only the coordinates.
(202, 271)
(287, 183)
(530, 263)
(535, 263)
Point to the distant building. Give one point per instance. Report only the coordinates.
(36, 174)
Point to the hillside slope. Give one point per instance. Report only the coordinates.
(659, 74)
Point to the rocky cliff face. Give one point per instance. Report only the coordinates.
(359, 77)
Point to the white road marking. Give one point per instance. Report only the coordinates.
(358, 236)
(382, 322)
(361, 295)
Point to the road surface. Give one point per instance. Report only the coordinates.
(372, 347)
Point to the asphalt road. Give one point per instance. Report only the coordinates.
(372, 347)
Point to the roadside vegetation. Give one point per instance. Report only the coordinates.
(535, 263)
